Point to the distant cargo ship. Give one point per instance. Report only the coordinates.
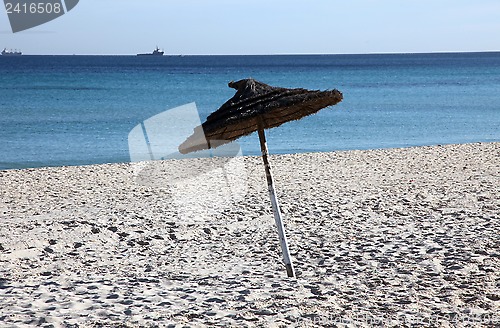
(156, 52)
(11, 52)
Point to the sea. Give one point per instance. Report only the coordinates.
(78, 110)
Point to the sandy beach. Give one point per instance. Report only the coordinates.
(395, 237)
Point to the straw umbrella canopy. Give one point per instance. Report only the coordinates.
(257, 106)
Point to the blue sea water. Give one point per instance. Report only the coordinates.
(74, 110)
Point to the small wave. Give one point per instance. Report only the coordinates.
(55, 87)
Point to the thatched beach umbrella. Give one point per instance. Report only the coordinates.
(257, 106)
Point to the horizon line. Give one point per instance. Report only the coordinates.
(284, 54)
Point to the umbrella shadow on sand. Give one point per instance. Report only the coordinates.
(257, 106)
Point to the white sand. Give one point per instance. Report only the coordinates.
(398, 237)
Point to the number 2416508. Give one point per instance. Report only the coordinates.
(33, 8)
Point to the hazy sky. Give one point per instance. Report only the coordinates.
(264, 27)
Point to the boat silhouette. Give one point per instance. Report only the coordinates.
(156, 52)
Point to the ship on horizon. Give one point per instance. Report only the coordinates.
(156, 52)
(11, 52)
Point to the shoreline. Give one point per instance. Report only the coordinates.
(397, 236)
(259, 155)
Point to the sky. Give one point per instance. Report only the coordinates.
(214, 27)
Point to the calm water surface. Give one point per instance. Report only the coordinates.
(72, 110)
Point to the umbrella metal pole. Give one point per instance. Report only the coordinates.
(274, 201)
